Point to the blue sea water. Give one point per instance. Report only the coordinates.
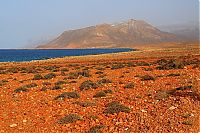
(19, 55)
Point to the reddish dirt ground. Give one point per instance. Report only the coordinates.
(167, 100)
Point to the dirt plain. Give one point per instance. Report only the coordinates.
(150, 90)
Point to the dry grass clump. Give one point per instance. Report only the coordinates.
(142, 63)
(67, 95)
(100, 94)
(104, 81)
(56, 87)
(171, 64)
(3, 82)
(69, 119)
(88, 84)
(77, 74)
(64, 70)
(50, 76)
(85, 103)
(61, 82)
(116, 107)
(117, 66)
(162, 94)
(45, 88)
(25, 88)
(13, 70)
(147, 77)
(99, 72)
(96, 129)
(46, 83)
(129, 85)
(37, 77)
(173, 75)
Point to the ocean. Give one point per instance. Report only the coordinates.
(20, 55)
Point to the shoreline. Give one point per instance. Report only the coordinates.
(140, 52)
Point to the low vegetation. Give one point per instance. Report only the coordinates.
(56, 87)
(88, 84)
(85, 103)
(116, 107)
(25, 88)
(50, 76)
(68, 95)
(100, 94)
(170, 64)
(96, 129)
(147, 77)
(69, 119)
(37, 77)
(129, 85)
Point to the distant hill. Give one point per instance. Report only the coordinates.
(125, 34)
(188, 32)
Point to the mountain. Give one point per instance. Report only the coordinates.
(187, 31)
(126, 34)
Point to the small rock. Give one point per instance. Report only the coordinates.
(143, 111)
(24, 121)
(172, 108)
(192, 115)
(13, 125)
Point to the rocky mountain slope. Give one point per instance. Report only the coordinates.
(126, 34)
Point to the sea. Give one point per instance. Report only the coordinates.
(21, 55)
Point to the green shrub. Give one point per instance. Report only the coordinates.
(68, 95)
(116, 107)
(88, 84)
(37, 77)
(50, 76)
(69, 119)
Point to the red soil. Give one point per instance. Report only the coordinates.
(37, 111)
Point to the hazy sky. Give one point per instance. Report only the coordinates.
(23, 22)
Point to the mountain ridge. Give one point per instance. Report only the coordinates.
(124, 34)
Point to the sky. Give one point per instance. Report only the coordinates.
(27, 22)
